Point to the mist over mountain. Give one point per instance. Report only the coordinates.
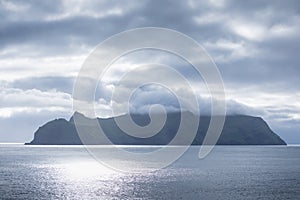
(238, 130)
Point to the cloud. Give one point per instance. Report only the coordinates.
(255, 44)
(15, 101)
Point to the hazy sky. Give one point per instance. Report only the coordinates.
(43, 44)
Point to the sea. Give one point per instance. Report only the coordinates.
(228, 172)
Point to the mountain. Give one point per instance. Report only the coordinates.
(238, 130)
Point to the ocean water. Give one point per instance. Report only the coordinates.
(229, 172)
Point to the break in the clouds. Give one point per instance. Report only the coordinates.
(43, 44)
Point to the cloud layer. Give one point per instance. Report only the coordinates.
(43, 44)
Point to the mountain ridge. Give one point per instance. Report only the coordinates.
(238, 130)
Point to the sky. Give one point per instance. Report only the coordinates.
(43, 44)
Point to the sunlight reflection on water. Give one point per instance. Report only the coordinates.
(79, 169)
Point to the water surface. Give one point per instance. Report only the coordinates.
(229, 172)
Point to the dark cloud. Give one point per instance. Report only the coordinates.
(60, 36)
(61, 84)
(91, 30)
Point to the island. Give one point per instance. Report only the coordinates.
(238, 130)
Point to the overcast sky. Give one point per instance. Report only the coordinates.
(43, 44)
